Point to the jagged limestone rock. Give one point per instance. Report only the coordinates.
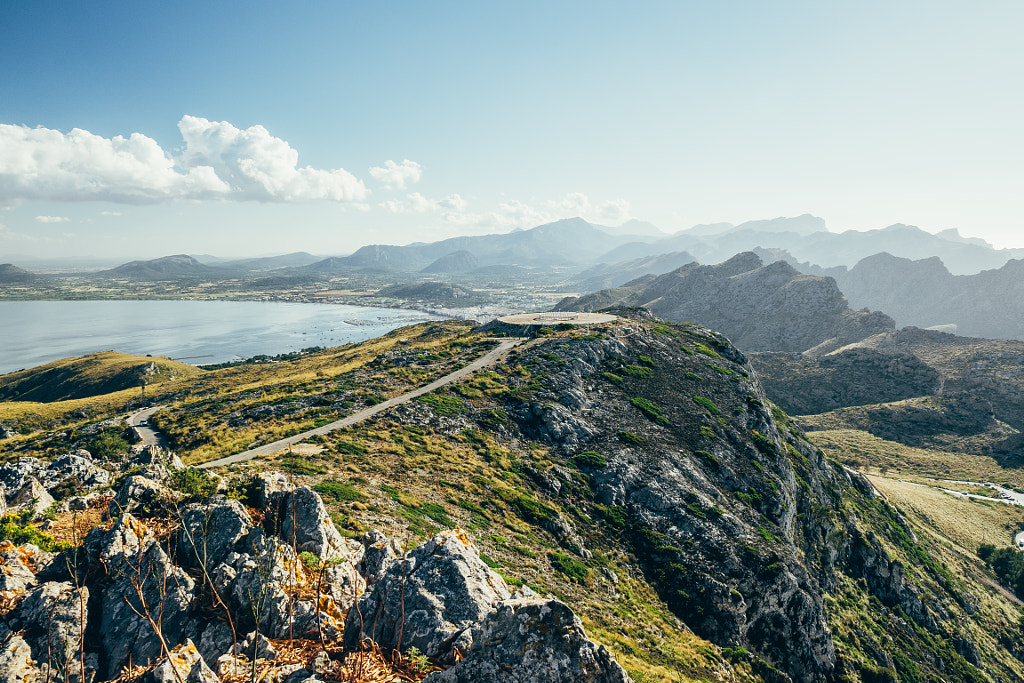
(441, 587)
(16, 663)
(145, 584)
(211, 530)
(379, 552)
(138, 492)
(53, 617)
(269, 483)
(191, 668)
(72, 467)
(14, 473)
(32, 496)
(215, 641)
(18, 567)
(532, 641)
(306, 524)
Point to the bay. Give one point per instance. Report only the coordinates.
(195, 332)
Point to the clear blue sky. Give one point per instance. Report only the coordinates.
(266, 127)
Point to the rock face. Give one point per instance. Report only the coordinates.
(306, 524)
(51, 616)
(532, 641)
(441, 587)
(128, 592)
(758, 307)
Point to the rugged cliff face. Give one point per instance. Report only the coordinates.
(739, 522)
(758, 307)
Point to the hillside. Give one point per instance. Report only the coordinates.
(93, 375)
(759, 307)
(10, 273)
(639, 474)
(164, 268)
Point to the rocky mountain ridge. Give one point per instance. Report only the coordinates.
(759, 307)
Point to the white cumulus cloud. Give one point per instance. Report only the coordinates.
(397, 175)
(256, 165)
(52, 219)
(218, 161)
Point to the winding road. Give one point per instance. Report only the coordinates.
(140, 423)
(267, 449)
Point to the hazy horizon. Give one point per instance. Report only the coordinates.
(134, 131)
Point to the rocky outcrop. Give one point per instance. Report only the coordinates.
(428, 600)
(184, 663)
(759, 307)
(532, 641)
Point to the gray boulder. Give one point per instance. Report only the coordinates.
(441, 588)
(379, 553)
(532, 641)
(14, 473)
(16, 663)
(137, 492)
(211, 530)
(53, 616)
(191, 668)
(32, 496)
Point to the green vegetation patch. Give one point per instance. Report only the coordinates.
(444, 406)
(589, 459)
(631, 438)
(650, 411)
(570, 566)
(706, 350)
(637, 371)
(338, 491)
(706, 403)
(193, 482)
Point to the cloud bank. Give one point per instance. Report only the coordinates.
(395, 176)
(218, 161)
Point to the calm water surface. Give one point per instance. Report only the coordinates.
(37, 332)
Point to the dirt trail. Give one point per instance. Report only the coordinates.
(267, 449)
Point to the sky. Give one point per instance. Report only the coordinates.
(141, 129)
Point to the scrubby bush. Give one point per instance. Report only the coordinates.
(706, 403)
(589, 459)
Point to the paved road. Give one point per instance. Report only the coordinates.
(354, 418)
(149, 436)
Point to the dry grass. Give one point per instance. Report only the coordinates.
(964, 522)
(869, 453)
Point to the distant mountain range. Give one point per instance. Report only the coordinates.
(806, 239)
(568, 242)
